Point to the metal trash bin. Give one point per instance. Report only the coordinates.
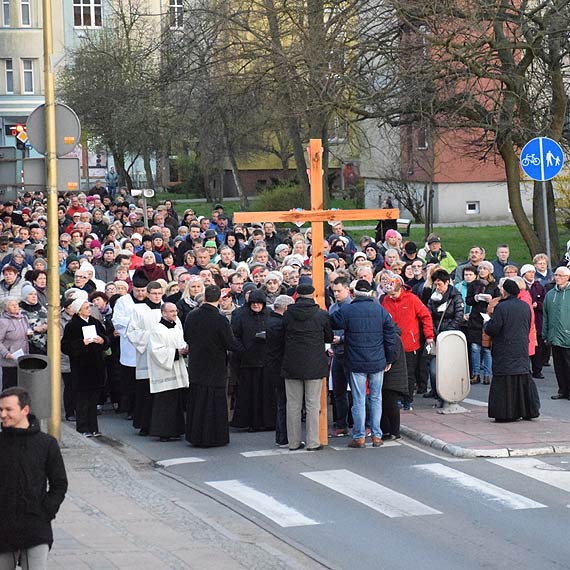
(34, 377)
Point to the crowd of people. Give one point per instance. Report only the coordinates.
(194, 324)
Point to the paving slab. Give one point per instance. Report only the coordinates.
(474, 434)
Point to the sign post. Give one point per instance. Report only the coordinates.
(542, 159)
(316, 216)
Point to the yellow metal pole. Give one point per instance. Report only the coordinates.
(54, 347)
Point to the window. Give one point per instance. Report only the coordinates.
(472, 208)
(87, 13)
(25, 11)
(176, 13)
(9, 75)
(422, 138)
(6, 13)
(28, 67)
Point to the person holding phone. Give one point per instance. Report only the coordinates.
(479, 293)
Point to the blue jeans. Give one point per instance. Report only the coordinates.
(476, 350)
(358, 387)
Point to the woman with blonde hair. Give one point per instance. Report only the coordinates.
(189, 300)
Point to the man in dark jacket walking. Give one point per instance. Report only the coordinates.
(273, 364)
(369, 341)
(33, 484)
(305, 363)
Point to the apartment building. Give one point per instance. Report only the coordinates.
(21, 59)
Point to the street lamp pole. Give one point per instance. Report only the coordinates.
(54, 348)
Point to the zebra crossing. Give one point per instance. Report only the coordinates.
(286, 508)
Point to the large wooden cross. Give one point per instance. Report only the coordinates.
(316, 216)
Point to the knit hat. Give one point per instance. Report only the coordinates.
(27, 289)
(95, 243)
(77, 304)
(392, 233)
(510, 287)
(88, 267)
(526, 268)
(274, 275)
(358, 254)
(281, 247)
(70, 258)
(486, 265)
(136, 236)
(249, 287)
(107, 248)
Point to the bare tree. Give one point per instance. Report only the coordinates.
(495, 70)
(109, 80)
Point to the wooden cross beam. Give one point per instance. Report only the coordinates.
(316, 216)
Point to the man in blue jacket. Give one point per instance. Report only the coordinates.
(369, 347)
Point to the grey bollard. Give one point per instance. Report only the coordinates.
(34, 377)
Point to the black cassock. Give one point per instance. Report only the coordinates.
(209, 337)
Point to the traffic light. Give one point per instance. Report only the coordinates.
(19, 132)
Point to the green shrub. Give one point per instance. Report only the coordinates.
(280, 197)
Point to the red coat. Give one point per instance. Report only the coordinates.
(408, 311)
(525, 296)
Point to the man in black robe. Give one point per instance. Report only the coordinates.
(209, 337)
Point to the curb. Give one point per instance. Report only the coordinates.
(458, 451)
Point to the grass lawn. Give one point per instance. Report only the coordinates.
(456, 240)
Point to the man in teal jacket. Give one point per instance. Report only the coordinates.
(556, 329)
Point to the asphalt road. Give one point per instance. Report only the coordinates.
(398, 507)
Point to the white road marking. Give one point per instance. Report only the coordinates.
(538, 470)
(179, 461)
(266, 505)
(269, 452)
(495, 495)
(475, 402)
(441, 457)
(369, 493)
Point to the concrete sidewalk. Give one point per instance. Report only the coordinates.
(122, 513)
(473, 434)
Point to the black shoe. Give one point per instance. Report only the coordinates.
(300, 446)
(430, 394)
(129, 417)
(547, 364)
(70, 418)
(143, 432)
(559, 397)
(319, 447)
(538, 375)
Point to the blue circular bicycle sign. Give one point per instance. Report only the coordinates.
(542, 159)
